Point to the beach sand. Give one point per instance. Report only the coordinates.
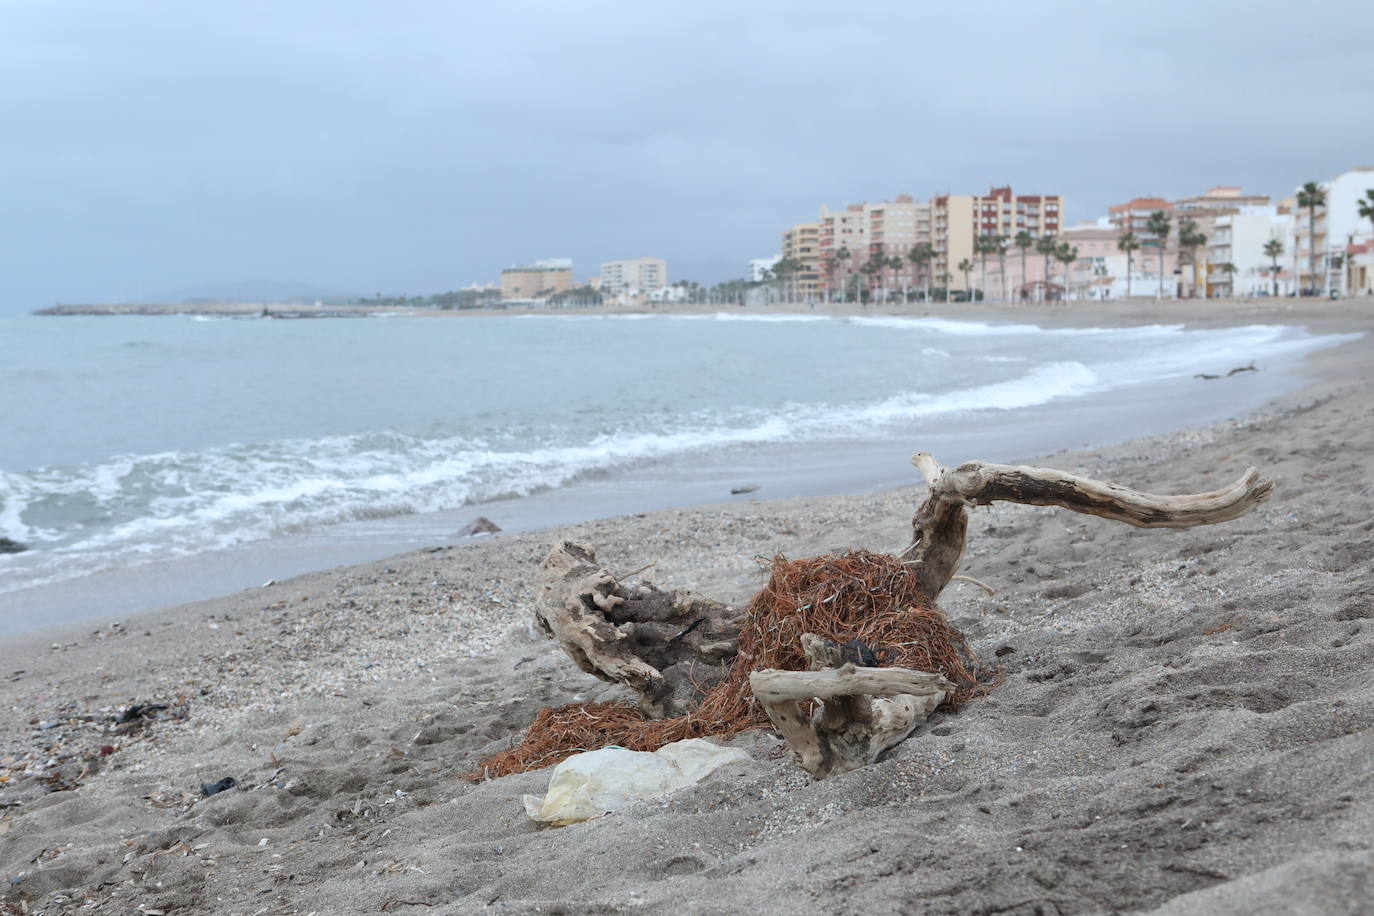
(1183, 724)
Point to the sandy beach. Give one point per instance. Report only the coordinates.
(1183, 724)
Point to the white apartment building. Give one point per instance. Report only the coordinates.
(634, 276)
(1337, 226)
(1236, 262)
(760, 269)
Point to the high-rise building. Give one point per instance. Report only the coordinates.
(801, 245)
(949, 223)
(634, 275)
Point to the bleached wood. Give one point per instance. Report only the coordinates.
(773, 686)
(667, 646)
(941, 522)
(863, 711)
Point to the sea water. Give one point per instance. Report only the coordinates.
(128, 441)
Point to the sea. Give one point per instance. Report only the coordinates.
(151, 460)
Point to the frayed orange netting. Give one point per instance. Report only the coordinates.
(869, 597)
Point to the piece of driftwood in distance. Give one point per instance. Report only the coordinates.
(670, 647)
(862, 711)
(1235, 371)
(941, 523)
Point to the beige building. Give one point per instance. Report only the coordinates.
(952, 220)
(864, 231)
(949, 223)
(801, 244)
(635, 276)
(538, 280)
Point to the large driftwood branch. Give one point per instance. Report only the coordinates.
(941, 522)
(863, 711)
(670, 647)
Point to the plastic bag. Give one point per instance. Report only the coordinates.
(594, 783)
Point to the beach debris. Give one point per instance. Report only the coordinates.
(844, 654)
(677, 645)
(858, 601)
(745, 488)
(478, 526)
(863, 712)
(8, 545)
(214, 788)
(139, 712)
(1235, 371)
(595, 783)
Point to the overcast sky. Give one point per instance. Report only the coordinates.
(152, 149)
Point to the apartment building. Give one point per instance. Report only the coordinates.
(1134, 215)
(1236, 264)
(761, 269)
(949, 223)
(952, 231)
(537, 280)
(1325, 242)
(999, 212)
(801, 244)
(959, 219)
(841, 246)
(635, 276)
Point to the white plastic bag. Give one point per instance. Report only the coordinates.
(593, 783)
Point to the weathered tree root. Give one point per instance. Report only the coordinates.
(670, 647)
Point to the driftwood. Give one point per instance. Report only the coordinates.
(863, 711)
(672, 647)
(941, 523)
(669, 647)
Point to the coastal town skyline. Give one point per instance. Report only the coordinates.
(160, 150)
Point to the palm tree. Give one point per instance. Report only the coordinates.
(842, 257)
(921, 254)
(1046, 245)
(984, 245)
(832, 267)
(1129, 244)
(1230, 270)
(877, 263)
(1366, 206)
(1158, 226)
(1023, 241)
(894, 264)
(965, 267)
(1066, 255)
(1312, 196)
(1001, 247)
(1190, 238)
(1273, 248)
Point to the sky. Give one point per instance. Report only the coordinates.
(156, 150)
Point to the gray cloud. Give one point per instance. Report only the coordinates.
(414, 147)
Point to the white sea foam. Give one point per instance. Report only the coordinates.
(135, 508)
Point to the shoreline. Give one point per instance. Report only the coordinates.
(1111, 313)
(1180, 725)
(1103, 417)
